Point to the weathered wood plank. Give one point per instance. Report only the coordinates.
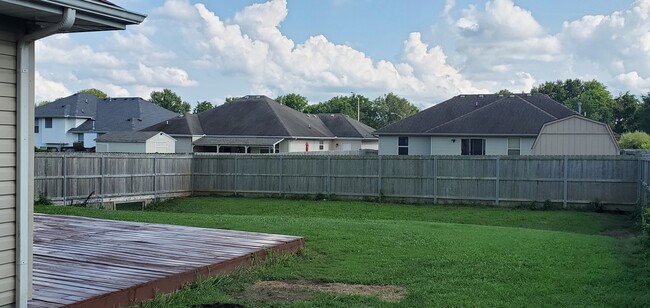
(85, 262)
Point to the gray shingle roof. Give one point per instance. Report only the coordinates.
(187, 124)
(237, 141)
(260, 116)
(125, 114)
(78, 105)
(130, 137)
(343, 126)
(489, 114)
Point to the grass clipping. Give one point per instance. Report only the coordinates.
(291, 290)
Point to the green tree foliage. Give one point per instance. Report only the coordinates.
(377, 113)
(642, 116)
(96, 92)
(625, 111)
(292, 100)
(202, 106)
(346, 105)
(391, 108)
(597, 103)
(170, 100)
(42, 103)
(635, 140)
(504, 92)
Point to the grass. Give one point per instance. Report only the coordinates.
(442, 255)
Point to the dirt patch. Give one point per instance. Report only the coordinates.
(618, 233)
(295, 290)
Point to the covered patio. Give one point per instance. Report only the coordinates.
(86, 262)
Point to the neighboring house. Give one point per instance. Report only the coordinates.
(21, 24)
(81, 118)
(493, 124)
(136, 142)
(258, 124)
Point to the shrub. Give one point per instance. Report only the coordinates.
(635, 140)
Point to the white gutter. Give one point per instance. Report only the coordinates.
(23, 151)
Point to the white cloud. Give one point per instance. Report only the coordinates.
(60, 49)
(252, 45)
(48, 90)
(616, 45)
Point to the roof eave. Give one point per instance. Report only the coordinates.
(103, 16)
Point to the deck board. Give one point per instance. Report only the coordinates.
(86, 262)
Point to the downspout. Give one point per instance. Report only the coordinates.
(23, 151)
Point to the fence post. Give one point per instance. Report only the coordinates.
(497, 180)
(565, 183)
(236, 170)
(65, 180)
(280, 179)
(379, 178)
(639, 168)
(329, 175)
(101, 181)
(192, 173)
(154, 177)
(435, 179)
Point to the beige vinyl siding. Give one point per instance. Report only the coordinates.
(7, 166)
(575, 136)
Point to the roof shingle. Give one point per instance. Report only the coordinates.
(484, 114)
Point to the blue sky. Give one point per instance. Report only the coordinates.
(426, 51)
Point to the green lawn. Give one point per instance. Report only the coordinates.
(442, 255)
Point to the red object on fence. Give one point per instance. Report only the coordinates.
(306, 146)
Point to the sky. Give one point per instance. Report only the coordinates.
(425, 51)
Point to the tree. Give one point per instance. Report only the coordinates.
(292, 100)
(96, 92)
(42, 103)
(202, 106)
(504, 92)
(624, 111)
(346, 105)
(642, 115)
(391, 108)
(594, 98)
(170, 101)
(635, 140)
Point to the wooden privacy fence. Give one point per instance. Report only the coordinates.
(437, 179)
(500, 180)
(96, 178)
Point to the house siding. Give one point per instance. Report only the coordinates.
(184, 144)
(387, 145)
(160, 143)
(7, 166)
(575, 136)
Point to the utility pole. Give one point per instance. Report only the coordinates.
(358, 107)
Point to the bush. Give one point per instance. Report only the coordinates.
(635, 140)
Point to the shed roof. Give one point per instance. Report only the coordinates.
(128, 137)
(483, 114)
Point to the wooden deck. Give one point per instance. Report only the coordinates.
(85, 262)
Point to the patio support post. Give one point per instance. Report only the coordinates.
(24, 73)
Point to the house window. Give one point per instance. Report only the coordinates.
(80, 137)
(48, 123)
(472, 147)
(36, 131)
(514, 146)
(403, 146)
(321, 145)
